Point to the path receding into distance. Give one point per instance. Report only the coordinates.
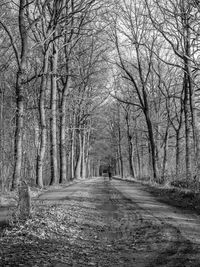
(130, 227)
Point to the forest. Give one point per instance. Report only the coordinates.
(88, 83)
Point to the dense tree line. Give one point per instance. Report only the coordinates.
(87, 83)
(157, 78)
(52, 69)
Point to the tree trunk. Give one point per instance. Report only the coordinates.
(84, 156)
(118, 168)
(130, 147)
(197, 137)
(149, 169)
(187, 128)
(72, 146)
(79, 160)
(2, 176)
(24, 202)
(21, 75)
(121, 167)
(177, 153)
(72, 155)
(158, 149)
(138, 156)
(43, 137)
(63, 155)
(194, 108)
(119, 145)
(54, 162)
(87, 157)
(152, 145)
(187, 89)
(18, 133)
(97, 169)
(164, 164)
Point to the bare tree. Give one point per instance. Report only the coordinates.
(21, 77)
(176, 27)
(136, 72)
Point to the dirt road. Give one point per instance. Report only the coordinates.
(110, 224)
(181, 246)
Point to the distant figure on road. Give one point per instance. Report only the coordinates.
(110, 175)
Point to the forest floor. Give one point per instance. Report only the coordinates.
(102, 223)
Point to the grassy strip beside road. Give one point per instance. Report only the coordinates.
(9, 200)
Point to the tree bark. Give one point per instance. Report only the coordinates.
(54, 153)
(119, 144)
(164, 163)
(152, 145)
(21, 75)
(187, 91)
(79, 160)
(130, 146)
(139, 174)
(87, 157)
(43, 136)
(84, 164)
(187, 128)
(73, 125)
(63, 155)
(2, 177)
(177, 153)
